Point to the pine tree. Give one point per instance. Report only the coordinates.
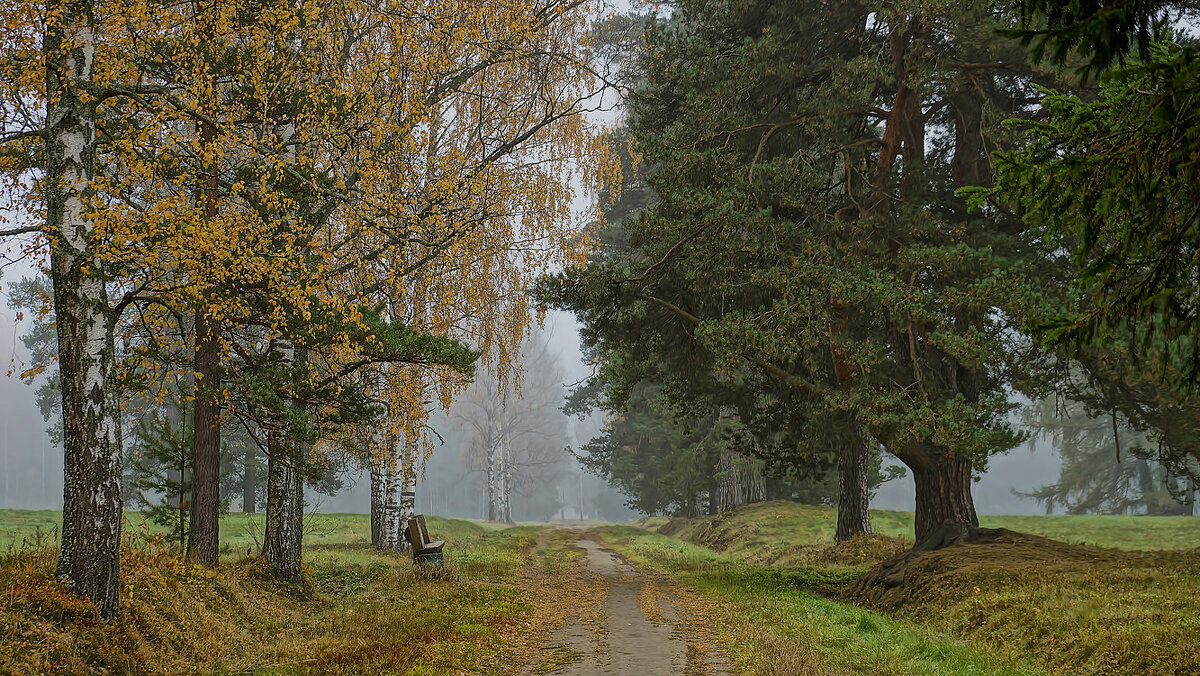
(807, 261)
(162, 472)
(665, 465)
(1107, 466)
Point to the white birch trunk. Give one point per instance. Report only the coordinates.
(285, 509)
(392, 532)
(505, 472)
(493, 471)
(89, 557)
(408, 491)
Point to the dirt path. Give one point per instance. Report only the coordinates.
(630, 628)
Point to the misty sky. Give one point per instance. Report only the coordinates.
(31, 467)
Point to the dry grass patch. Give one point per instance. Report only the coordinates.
(361, 611)
(1080, 610)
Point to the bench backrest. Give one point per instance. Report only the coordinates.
(415, 536)
(425, 539)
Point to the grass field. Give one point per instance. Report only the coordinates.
(761, 530)
(238, 531)
(1022, 603)
(766, 528)
(783, 598)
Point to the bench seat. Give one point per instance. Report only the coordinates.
(435, 546)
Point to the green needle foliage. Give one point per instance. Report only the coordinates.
(1103, 32)
(1113, 180)
(161, 469)
(807, 261)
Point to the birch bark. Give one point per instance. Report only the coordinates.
(505, 477)
(408, 493)
(391, 532)
(89, 557)
(493, 466)
(285, 509)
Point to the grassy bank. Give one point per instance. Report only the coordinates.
(764, 532)
(362, 611)
(1024, 600)
(766, 577)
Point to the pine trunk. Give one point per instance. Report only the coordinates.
(249, 480)
(183, 502)
(89, 556)
(854, 497)
(1193, 508)
(376, 469)
(203, 528)
(945, 510)
(204, 525)
(285, 509)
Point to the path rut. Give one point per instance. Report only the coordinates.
(632, 630)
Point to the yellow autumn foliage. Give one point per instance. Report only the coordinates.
(261, 163)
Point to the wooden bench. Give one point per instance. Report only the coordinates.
(424, 550)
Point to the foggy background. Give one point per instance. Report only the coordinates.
(31, 466)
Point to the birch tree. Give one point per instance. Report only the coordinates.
(49, 164)
(89, 556)
(229, 237)
(517, 427)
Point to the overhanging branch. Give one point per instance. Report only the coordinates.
(768, 367)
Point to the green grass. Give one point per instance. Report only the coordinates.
(1135, 533)
(1075, 610)
(778, 592)
(27, 525)
(239, 532)
(770, 620)
(774, 524)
